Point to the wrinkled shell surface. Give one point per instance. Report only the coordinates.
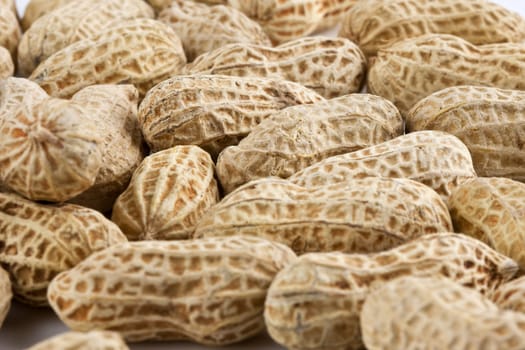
(10, 32)
(213, 111)
(493, 211)
(7, 68)
(299, 136)
(436, 159)
(50, 147)
(39, 241)
(511, 295)
(38, 8)
(168, 194)
(437, 313)
(72, 22)
(412, 69)
(204, 28)
(94, 340)
(141, 52)
(210, 291)
(6, 294)
(490, 121)
(363, 215)
(331, 66)
(377, 24)
(315, 303)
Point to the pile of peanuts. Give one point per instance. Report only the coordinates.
(210, 170)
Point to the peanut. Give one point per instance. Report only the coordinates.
(73, 22)
(141, 52)
(10, 4)
(114, 110)
(437, 313)
(299, 136)
(94, 340)
(488, 120)
(204, 28)
(39, 241)
(511, 295)
(6, 294)
(436, 159)
(315, 302)
(210, 291)
(363, 215)
(168, 194)
(214, 111)
(7, 68)
(414, 68)
(50, 147)
(10, 32)
(377, 24)
(492, 210)
(38, 8)
(330, 66)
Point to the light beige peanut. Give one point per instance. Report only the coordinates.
(492, 210)
(299, 136)
(213, 111)
(168, 194)
(315, 303)
(363, 215)
(437, 313)
(38, 8)
(6, 294)
(113, 108)
(489, 121)
(73, 22)
(204, 28)
(330, 66)
(210, 291)
(7, 68)
(377, 24)
(94, 340)
(335, 12)
(434, 158)
(10, 31)
(39, 241)
(511, 295)
(141, 52)
(50, 147)
(412, 69)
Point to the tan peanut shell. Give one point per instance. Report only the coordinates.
(490, 121)
(315, 302)
(331, 66)
(73, 22)
(377, 24)
(511, 295)
(11, 4)
(363, 215)
(204, 28)
(437, 313)
(38, 8)
(6, 294)
(141, 52)
(39, 241)
(213, 111)
(299, 136)
(434, 158)
(10, 31)
(413, 69)
(94, 340)
(50, 147)
(210, 291)
(7, 68)
(113, 108)
(493, 211)
(168, 194)
(335, 12)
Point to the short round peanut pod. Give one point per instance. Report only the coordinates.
(6, 294)
(7, 68)
(168, 194)
(38, 8)
(492, 210)
(203, 28)
(94, 340)
(39, 241)
(50, 147)
(142, 52)
(210, 291)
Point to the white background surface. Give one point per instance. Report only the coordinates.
(25, 326)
